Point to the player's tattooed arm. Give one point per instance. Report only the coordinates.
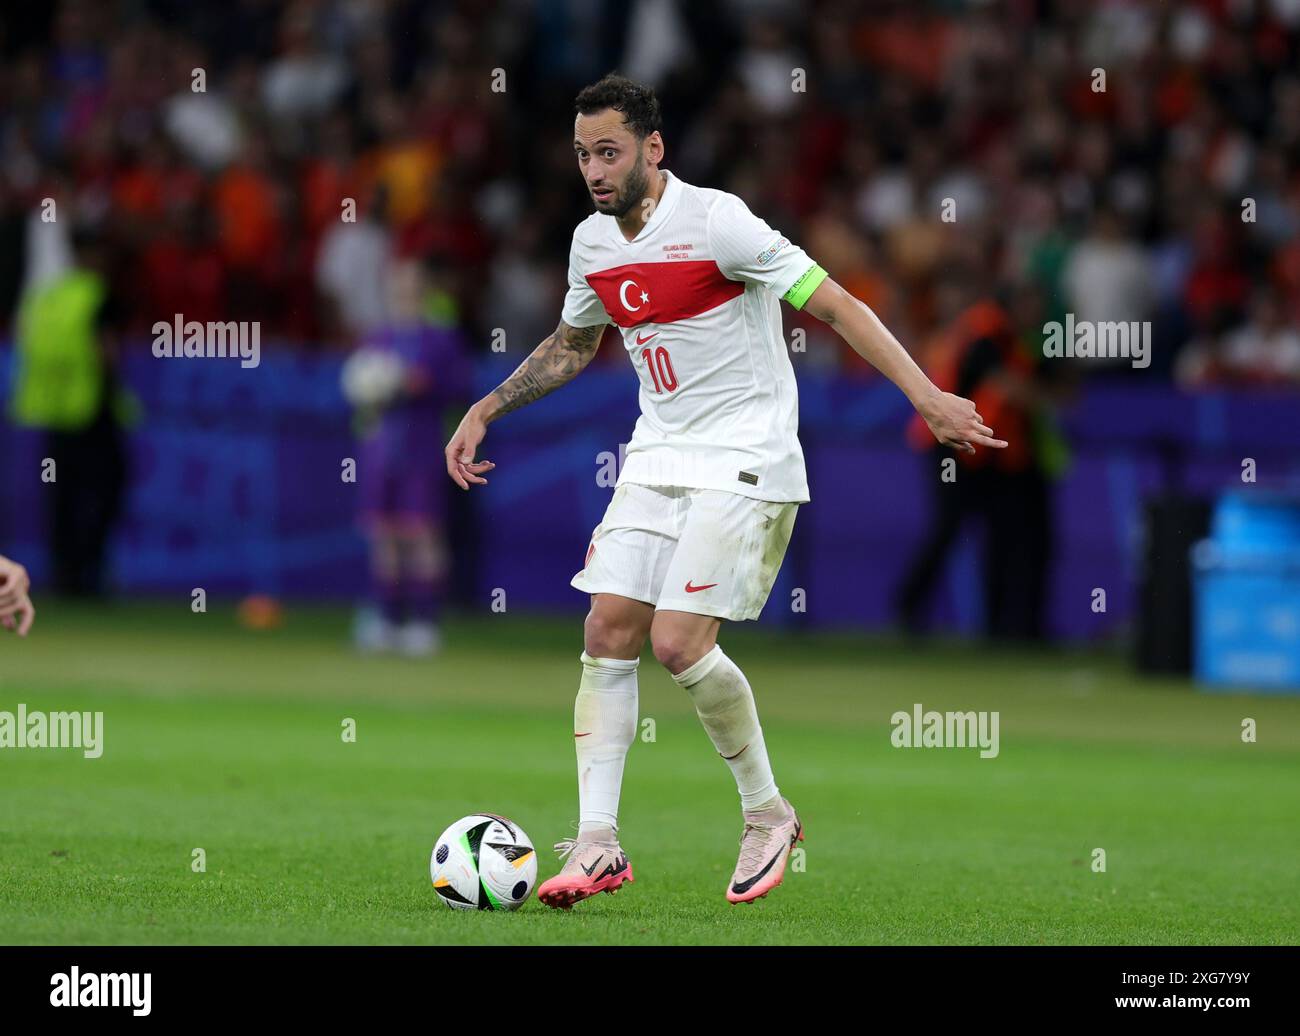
(558, 360)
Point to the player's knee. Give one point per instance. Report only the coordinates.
(677, 650)
(608, 636)
(426, 557)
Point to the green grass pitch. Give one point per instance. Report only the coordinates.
(229, 741)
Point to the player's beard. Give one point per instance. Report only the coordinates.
(635, 188)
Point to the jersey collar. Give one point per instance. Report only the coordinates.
(666, 202)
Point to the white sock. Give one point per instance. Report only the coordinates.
(604, 726)
(725, 704)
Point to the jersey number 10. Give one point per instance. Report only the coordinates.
(660, 365)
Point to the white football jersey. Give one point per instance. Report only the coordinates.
(696, 296)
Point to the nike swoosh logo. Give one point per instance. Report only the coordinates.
(588, 734)
(642, 341)
(696, 589)
(617, 867)
(588, 870)
(744, 886)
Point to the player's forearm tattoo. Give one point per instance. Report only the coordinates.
(559, 359)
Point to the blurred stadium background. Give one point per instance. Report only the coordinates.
(1171, 196)
(1125, 204)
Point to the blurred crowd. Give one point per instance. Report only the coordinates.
(1118, 160)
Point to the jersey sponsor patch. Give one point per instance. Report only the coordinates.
(768, 254)
(748, 477)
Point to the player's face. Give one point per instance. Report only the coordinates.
(614, 164)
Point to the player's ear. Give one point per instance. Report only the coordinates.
(654, 148)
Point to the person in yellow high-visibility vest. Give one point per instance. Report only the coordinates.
(64, 383)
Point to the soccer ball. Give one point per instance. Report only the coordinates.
(371, 377)
(483, 862)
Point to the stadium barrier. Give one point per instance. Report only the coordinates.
(236, 487)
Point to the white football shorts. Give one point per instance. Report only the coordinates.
(705, 551)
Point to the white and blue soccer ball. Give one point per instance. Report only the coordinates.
(372, 377)
(483, 862)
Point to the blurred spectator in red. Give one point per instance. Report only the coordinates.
(181, 269)
(1216, 283)
(330, 177)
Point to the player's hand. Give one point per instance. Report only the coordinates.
(20, 617)
(16, 611)
(461, 465)
(955, 422)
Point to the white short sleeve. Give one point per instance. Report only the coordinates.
(747, 249)
(582, 306)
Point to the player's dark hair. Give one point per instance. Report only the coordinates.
(639, 105)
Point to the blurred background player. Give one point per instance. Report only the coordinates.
(406, 373)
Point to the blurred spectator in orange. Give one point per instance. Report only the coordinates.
(403, 163)
(248, 228)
